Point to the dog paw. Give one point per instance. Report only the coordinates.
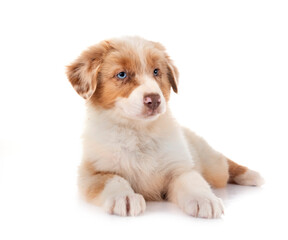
(249, 178)
(204, 206)
(125, 205)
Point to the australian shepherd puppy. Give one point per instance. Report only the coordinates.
(133, 149)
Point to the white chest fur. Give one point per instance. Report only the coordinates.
(136, 153)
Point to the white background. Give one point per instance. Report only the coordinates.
(233, 63)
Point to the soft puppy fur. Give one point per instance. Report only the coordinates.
(133, 149)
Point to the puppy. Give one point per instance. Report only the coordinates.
(133, 149)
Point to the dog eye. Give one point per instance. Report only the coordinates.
(121, 75)
(156, 72)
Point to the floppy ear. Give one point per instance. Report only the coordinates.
(173, 75)
(82, 73)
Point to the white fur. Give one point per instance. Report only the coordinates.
(143, 154)
(133, 107)
(193, 194)
(135, 151)
(119, 198)
(249, 178)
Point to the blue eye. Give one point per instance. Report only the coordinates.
(156, 72)
(121, 75)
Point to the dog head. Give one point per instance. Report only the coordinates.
(131, 76)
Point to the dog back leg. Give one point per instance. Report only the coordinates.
(217, 169)
(243, 176)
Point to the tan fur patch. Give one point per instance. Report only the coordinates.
(216, 180)
(82, 73)
(157, 60)
(235, 170)
(94, 190)
(100, 179)
(109, 88)
(165, 88)
(173, 76)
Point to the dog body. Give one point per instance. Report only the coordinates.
(133, 149)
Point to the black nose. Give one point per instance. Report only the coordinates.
(152, 100)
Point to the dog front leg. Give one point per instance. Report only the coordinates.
(194, 196)
(110, 191)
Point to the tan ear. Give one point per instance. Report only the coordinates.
(173, 75)
(82, 73)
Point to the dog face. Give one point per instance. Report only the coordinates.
(130, 76)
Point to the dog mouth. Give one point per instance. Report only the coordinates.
(151, 114)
